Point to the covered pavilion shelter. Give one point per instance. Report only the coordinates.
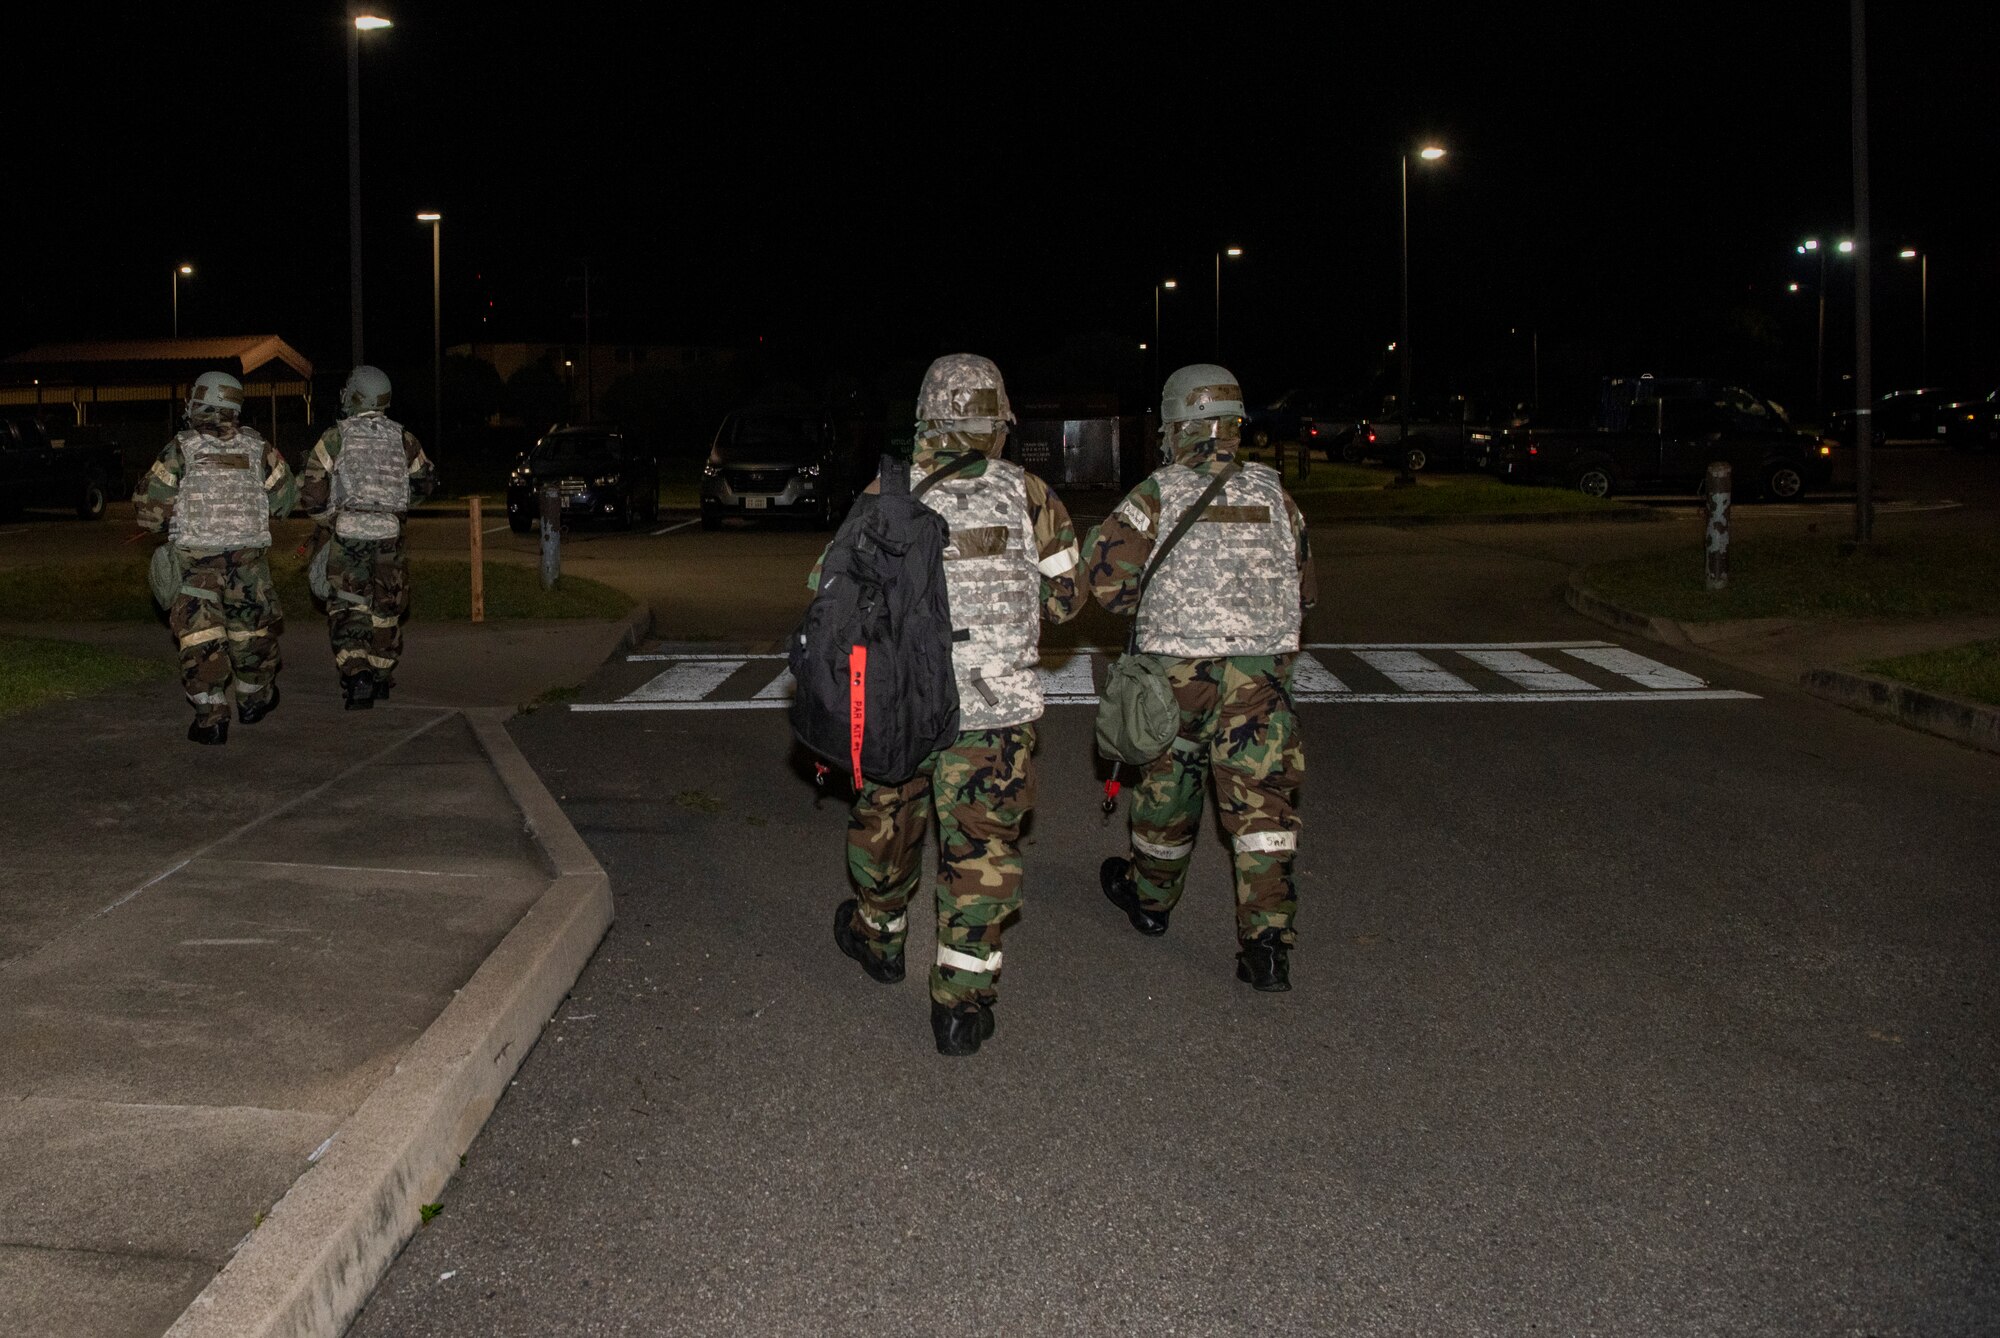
(147, 380)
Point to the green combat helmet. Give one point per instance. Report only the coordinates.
(214, 396)
(965, 391)
(366, 391)
(1202, 390)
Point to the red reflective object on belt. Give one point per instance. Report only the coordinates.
(857, 706)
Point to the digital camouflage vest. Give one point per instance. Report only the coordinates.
(221, 504)
(371, 478)
(1231, 586)
(994, 588)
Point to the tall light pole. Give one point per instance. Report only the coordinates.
(1226, 251)
(1164, 283)
(1864, 370)
(179, 271)
(1429, 153)
(359, 21)
(1923, 259)
(1811, 247)
(436, 221)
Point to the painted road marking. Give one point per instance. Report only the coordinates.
(689, 681)
(1409, 670)
(1524, 669)
(671, 528)
(1626, 664)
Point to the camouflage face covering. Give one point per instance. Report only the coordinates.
(1201, 439)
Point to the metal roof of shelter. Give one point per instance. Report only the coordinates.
(124, 361)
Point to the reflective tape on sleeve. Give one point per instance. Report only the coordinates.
(1058, 564)
(1267, 843)
(965, 961)
(1145, 847)
(1134, 516)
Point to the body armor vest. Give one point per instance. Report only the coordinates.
(371, 478)
(222, 503)
(1231, 586)
(995, 591)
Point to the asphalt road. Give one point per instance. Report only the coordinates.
(1611, 1016)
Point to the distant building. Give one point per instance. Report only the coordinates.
(589, 372)
(140, 380)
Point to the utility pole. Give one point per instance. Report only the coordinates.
(1864, 381)
(354, 188)
(589, 358)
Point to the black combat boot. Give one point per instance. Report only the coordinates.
(1116, 876)
(360, 690)
(960, 1030)
(382, 686)
(251, 712)
(1265, 963)
(215, 733)
(883, 970)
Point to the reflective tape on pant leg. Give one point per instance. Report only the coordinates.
(890, 927)
(203, 637)
(381, 662)
(1267, 843)
(214, 698)
(965, 961)
(1145, 847)
(244, 634)
(348, 656)
(380, 621)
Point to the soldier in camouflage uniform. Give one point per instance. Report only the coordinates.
(1223, 615)
(357, 483)
(213, 491)
(1010, 562)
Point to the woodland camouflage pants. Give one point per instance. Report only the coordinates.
(980, 789)
(368, 593)
(1236, 720)
(226, 620)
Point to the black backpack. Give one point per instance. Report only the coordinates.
(872, 658)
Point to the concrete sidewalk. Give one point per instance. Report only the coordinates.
(254, 1001)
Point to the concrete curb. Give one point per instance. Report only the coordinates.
(1953, 718)
(308, 1269)
(1595, 606)
(1625, 515)
(634, 627)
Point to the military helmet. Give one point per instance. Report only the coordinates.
(215, 393)
(366, 391)
(963, 386)
(1202, 390)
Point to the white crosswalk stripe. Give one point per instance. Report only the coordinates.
(1409, 670)
(1417, 672)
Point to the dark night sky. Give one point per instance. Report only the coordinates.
(866, 187)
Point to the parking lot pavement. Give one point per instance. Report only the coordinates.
(1659, 1015)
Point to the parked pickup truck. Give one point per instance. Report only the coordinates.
(38, 471)
(1656, 434)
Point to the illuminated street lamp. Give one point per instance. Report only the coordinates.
(1164, 283)
(436, 221)
(1923, 260)
(362, 21)
(179, 272)
(1429, 153)
(1811, 247)
(1228, 251)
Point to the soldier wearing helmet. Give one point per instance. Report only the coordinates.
(1223, 614)
(357, 483)
(213, 492)
(1011, 561)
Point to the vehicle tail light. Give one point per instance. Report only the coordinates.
(1312, 431)
(1371, 436)
(1533, 451)
(1826, 450)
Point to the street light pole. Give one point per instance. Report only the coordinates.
(179, 270)
(436, 221)
(1164, 283)
(1232, 251)
(359, 21)
(1864, 372)
(1923, 259)
(1430, 153)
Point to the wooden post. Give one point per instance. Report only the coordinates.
(478, 562)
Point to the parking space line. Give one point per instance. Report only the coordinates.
(681, 526)
(495, 529)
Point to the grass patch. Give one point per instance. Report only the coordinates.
(1970, 671)
(1339, 491)
(440, 591)
(33, 671)
(1806, 577)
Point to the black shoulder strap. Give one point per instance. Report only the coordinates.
(958, 466)
(894, 476)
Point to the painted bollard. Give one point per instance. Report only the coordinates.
(551, 508)
(1716, 486)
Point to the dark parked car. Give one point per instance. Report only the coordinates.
(1318, 419)
(600, 472)
(1902, 417)
(1972, 424)
(36, 470)
(770, 462)
(1458, 434)
(1657, 434)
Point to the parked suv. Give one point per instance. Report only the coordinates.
(38, 471)
(1317, 419)
(776, 462)
(601, 472)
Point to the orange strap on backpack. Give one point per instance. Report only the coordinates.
(857, 706)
